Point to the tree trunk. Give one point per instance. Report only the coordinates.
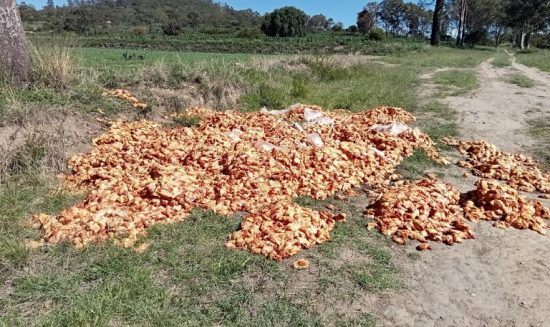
(14, 56)
(436, 25)
(461, 23)
(528, 40)
(463, 36)
(522, 42)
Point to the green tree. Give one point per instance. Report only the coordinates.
(317, 22)
(338, 27)
(527, 17)
(286, 21)
(194, 19)
(365, 20)
(416, 19)
(391, 14)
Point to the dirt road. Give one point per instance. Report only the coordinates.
(503, 277)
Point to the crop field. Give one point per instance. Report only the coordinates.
(187, 270)
(319, 43)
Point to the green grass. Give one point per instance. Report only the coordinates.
(332, 88)
(443, 57)
(520, 80)
(501, 60)
(416, 166)
(455, 82)
(538, 59)
(97, 58)
(540, 129)
(437, 120)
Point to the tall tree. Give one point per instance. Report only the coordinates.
(436, 24)
(317, 22)
(284, 22)
(527, 17)
(415, 18)
(14, 57)
(391, 14)
(461, 22)
(365, 21)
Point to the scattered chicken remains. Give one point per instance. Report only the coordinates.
(488, 161)
(426, 210)
(282, 231)
(122, 94)
(140, 173)
(502, 204)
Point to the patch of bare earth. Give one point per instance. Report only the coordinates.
(501, 277)
(60, 132)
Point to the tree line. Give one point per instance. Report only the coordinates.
(465, 21)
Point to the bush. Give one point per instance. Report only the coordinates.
(377, 34)
(477, 37)
(528, 51)
(285, 22)
(138, 30)
(173, 29)
(249, 33)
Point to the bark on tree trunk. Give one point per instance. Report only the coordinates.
(522, 42)
(461, 23)
(465, 25)
(436, 25)
(14, 56)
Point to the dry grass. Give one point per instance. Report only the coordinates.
(52, 65)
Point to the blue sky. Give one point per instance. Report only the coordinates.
(343, 10)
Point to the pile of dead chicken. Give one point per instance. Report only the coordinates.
(141, 174)
(426, 210)
(126, 95)
(283, 230)
(488, 161)
(502, 204)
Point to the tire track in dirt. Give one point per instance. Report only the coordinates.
(501, 278)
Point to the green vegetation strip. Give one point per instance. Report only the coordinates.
(535, 58)
(455, 82)
(520, 80)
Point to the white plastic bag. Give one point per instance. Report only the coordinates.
(323, 121)
(275, 112)
(268, 147)
(378, 152)
(393, 129)
(315, 140)
(311, 115)
(298, 127)
(235, 135)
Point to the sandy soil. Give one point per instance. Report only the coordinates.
(502, 277)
